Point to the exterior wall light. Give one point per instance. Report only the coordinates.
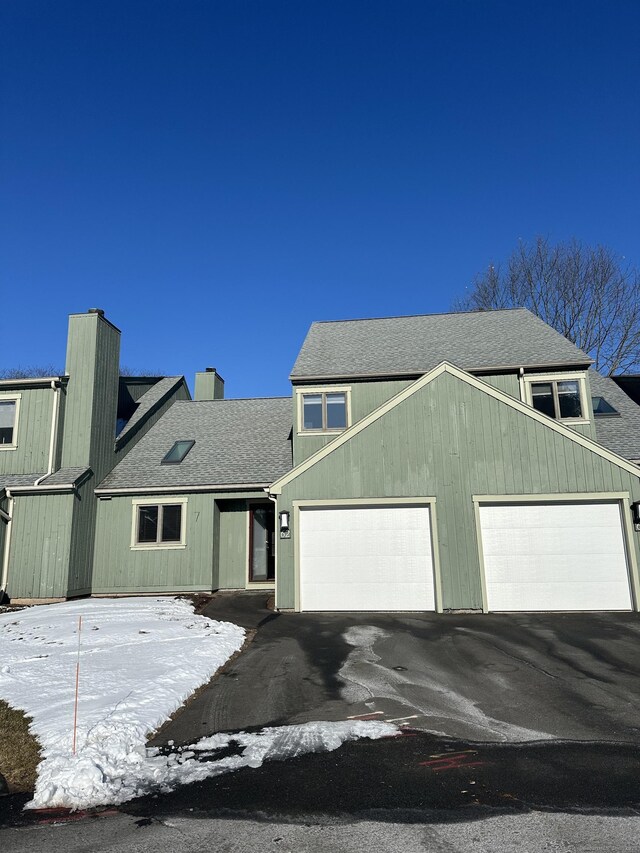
(284, 521)
(635, 509)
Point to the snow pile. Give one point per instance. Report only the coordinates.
(140, 659)
(113, 775)
(283, 742)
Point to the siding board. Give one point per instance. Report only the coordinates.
(451, 441)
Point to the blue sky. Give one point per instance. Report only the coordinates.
(217, 175)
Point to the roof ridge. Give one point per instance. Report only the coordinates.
(409, 316)
(234, 400)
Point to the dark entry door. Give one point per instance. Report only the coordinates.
(262, 564)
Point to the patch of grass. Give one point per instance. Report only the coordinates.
(19, 750)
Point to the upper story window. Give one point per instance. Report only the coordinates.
(158, 525)
(9, 422)
(323, 409)
(561, 397)
(178, 452)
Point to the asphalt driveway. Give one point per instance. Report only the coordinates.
(492, 678)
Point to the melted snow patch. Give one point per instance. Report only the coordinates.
(432, 692)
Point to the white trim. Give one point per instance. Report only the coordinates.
(12, 398)
(158, 546)
(160, 490)
(550, 378)
(321, 390)
(365, 502)
(621, 498)
(446, 367)
(43, 381)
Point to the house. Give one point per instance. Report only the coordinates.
(59, 437)
(437, 462)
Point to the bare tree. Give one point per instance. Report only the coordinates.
(36, 372)
(588, 294)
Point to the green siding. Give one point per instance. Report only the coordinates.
(450, 441)
(120, 568)
(215, 556)
(82, 540)
(507, 382)
(208, 386)
(40, 546)
(93, 354)
(365, 397)
(34, 432)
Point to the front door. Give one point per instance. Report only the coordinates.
(262, 562)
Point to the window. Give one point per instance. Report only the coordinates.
(178, 452)
(8, 422)
(323, 410)
(602, 407)
(560, 397)
(158, 525)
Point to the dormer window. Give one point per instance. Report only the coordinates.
(323, 410)
(178, 452)
(560, 396)
(9, 422)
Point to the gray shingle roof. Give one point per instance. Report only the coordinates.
(8, 481)
(65, 476)
(414, 345)
(153, 397)
(620, 434)
(236, 442)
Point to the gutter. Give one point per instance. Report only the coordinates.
(55, 387)
(154, 490)
(416, 374)
(30, 383)
(58, 487)
(4, 580)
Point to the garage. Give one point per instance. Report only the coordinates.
(366, 557)
(554, 556)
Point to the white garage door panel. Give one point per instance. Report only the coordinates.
(555, 557)
(366, 558)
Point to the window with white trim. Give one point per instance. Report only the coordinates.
(323, 410)
(8, 422)
(158, 525)
(560, 397)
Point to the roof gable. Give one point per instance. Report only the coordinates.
(416, 386)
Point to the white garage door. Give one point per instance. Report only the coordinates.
(568, 556)
(366, 558)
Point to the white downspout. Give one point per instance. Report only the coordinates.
(7, 546)
(53, 440)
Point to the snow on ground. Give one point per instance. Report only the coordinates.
(140, 659)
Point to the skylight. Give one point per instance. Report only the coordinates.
(178, 452)
(601, 407)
